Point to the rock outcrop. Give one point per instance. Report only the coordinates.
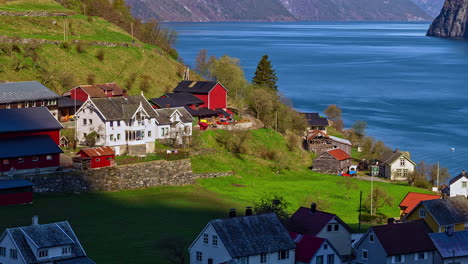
(452, 21)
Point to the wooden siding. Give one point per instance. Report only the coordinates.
(430, 221)
(217, 97)
(326, 163)
(28, 163)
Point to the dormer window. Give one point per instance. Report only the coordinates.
(43, 253)
(402, 162)
(66, 250)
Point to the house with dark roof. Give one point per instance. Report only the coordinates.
(313, 250)
(16, 191)
(452, 247)
(247, 239)
(29, 139)
(97, 157)
(459, 185)
(396, 243)
(442, 215)
(315, 223)
(319, 142)
(334, 161)
(54, 243)
(68, 107)
(412, 199)
(174, 125)
(316, 122)
(396, 165)
(28, 94)
(182, 99)
(213, 94)
(83, 92)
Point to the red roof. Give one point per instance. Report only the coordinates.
(339, 154)
(97, 152)
(306, 246)
(412, 199)
(314, 133)
(98, 90)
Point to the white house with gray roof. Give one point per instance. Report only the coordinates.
(459, 185)
(174, 124)
(248, 239)
(396, 165)
(54, 243)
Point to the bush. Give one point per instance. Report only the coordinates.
(174, 54)
(145, 83)
(91, 79)
(80, 47)
(422, 183)
(293, 142)
(374, 219)
(100, 55)
(65, 45)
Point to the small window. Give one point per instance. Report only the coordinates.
(66, 250)
(397, 259)
(111, 137)
(283, 254)
(49, 157)
(42, 103)
(20, 160)
(464, 184)
(35, 158)
(330, 259)
(90, 121)
(421, 255)
(371, 238)
(118, 123)
(109, 158)
(325, 246)
(33, 104)
(8, 106)
(118, 136)
(449, 228)
(402, 162)
(263, 258)
(337, 227)
(26, 104)
(365, 254)
(98, 160)
(84, 121)
(199, 256)
(205, 239)
(244, 260)
(6, 162)
(43, 253)
(111, 123)
(319, 259)
(215, 240)
(149, 133)
(329, 228)
(13, 253)
(422, 213)
(84, 135)
(2, 251)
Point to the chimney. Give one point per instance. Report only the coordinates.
(232, 213)
(448, 231)
(248, 211)
(463, 172)
(391, 221)
(35, 220)
(313, 208)
(397, 150)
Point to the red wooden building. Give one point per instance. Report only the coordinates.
(97, 157)
(16, 191)
(213, 94)
(83, 92)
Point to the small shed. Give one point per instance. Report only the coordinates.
(332, 161)
(16, 191)
(97, 157)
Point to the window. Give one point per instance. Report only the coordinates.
(118, 136)
(111, 137)
(422, 212)
(13, 253)
(283, 254)
(329, 228)
(20, 160)
(244, 260)
(330, 259)
(210, 261)
(84, 121)
(371, 238)
(215, 240)
(90, 121)
(449, 228)
(6, 162)
(43, 253)
(337, 227)
(111, 123)
(319, 259)
(365, 254)
(49, 157)
(118, 123)
(325, 246)
(421, 256)
(464, 184)
(149, 133)
(8, 106)
(205, 239)
(405, 172)
(35, 158)
(109, 158)
(402, 162)
(2, 252)
(33, 104)
(84, 135)
(398, 259)
(26, 104)
(42, 103)
(263, 258)
(199, 256)
(98, 160)
(66, 250)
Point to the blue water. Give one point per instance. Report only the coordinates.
(411, 89)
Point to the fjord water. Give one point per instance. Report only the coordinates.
(411, 89)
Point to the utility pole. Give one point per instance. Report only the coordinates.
(360, 207)
(372, 196)
(438, 174)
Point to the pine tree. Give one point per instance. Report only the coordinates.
(265, 75)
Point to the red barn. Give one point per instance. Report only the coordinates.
(83, 92)
(213, 94)
(16, 191)
(98, 157)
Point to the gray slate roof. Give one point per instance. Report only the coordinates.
(54, 234)
(448, 211)
(341, 140)
(253, 235)
(177, 100)
(69, 102)
(27, 119)
(391, 156)
(314, 119)
(122, 108)
(25, 91)
(164, 115)
(463, 174)
(447, 244)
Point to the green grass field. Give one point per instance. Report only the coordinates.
(32, 5)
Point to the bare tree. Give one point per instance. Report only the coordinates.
(347, 184)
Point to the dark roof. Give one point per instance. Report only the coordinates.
(303, 221)
(197, 87)
(314, 119)
(97, 152)
(28, 146)
(27, 119)
(25, 91)
(448, 211)
(306, 246)
(252, 235)
(82, 260)
(404, 238)
(449, 243)
(176, 100)
(47, 235)
(412, 199)
(391, 156)
(16, 183)
(339, 154)
(68, 102)
(463, 174)
(122, 108)
(164, 115)
(202, 112)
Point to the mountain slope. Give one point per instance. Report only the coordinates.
(431, 7)
(452, 21)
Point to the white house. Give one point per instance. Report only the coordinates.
(396, 165)
(251, 239)
(459, 185)
(54, 243)
(314, 250)
(174, 124)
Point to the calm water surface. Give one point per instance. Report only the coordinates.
(411, 90)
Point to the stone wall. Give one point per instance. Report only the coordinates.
(15, 40)
(35, 13)
(133, 176)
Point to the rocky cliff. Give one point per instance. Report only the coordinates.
(431, 7)
(452, 21)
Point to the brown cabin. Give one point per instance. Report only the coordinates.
(333, 161)
(319, 142)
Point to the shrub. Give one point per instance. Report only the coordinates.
(422, 183)
(66, 79)
(65, 45)
(145, 83)
(80, 47)
(100, 55)
(91, 79)
(174, 54)
(131, 80)
(373, 219)
(293, 142)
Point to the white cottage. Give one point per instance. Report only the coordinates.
(127, 124)
(396, 165)
(459, 185)
(174, 124)
(314, 250)
(250, 239)
(54, 243)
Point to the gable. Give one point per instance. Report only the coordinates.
(397, 160)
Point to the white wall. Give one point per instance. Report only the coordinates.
(218, 253)
(340, 239)
(456, 188)
(87, 112)
(324, 253)
(8, 243)
(396, 166)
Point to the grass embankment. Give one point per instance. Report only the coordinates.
(134, 221)
(32, 5)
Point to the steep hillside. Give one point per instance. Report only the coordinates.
(62, 52)
(277, 10)
(452, 21)
(210, 10)
(431, 7)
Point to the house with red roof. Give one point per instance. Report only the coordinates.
(83, 92)
(312, 250)
(315, 223)
(412, 199)
(96, 157)
(334, 161)
(396, 243)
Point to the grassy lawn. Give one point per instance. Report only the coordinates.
(31, 5)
